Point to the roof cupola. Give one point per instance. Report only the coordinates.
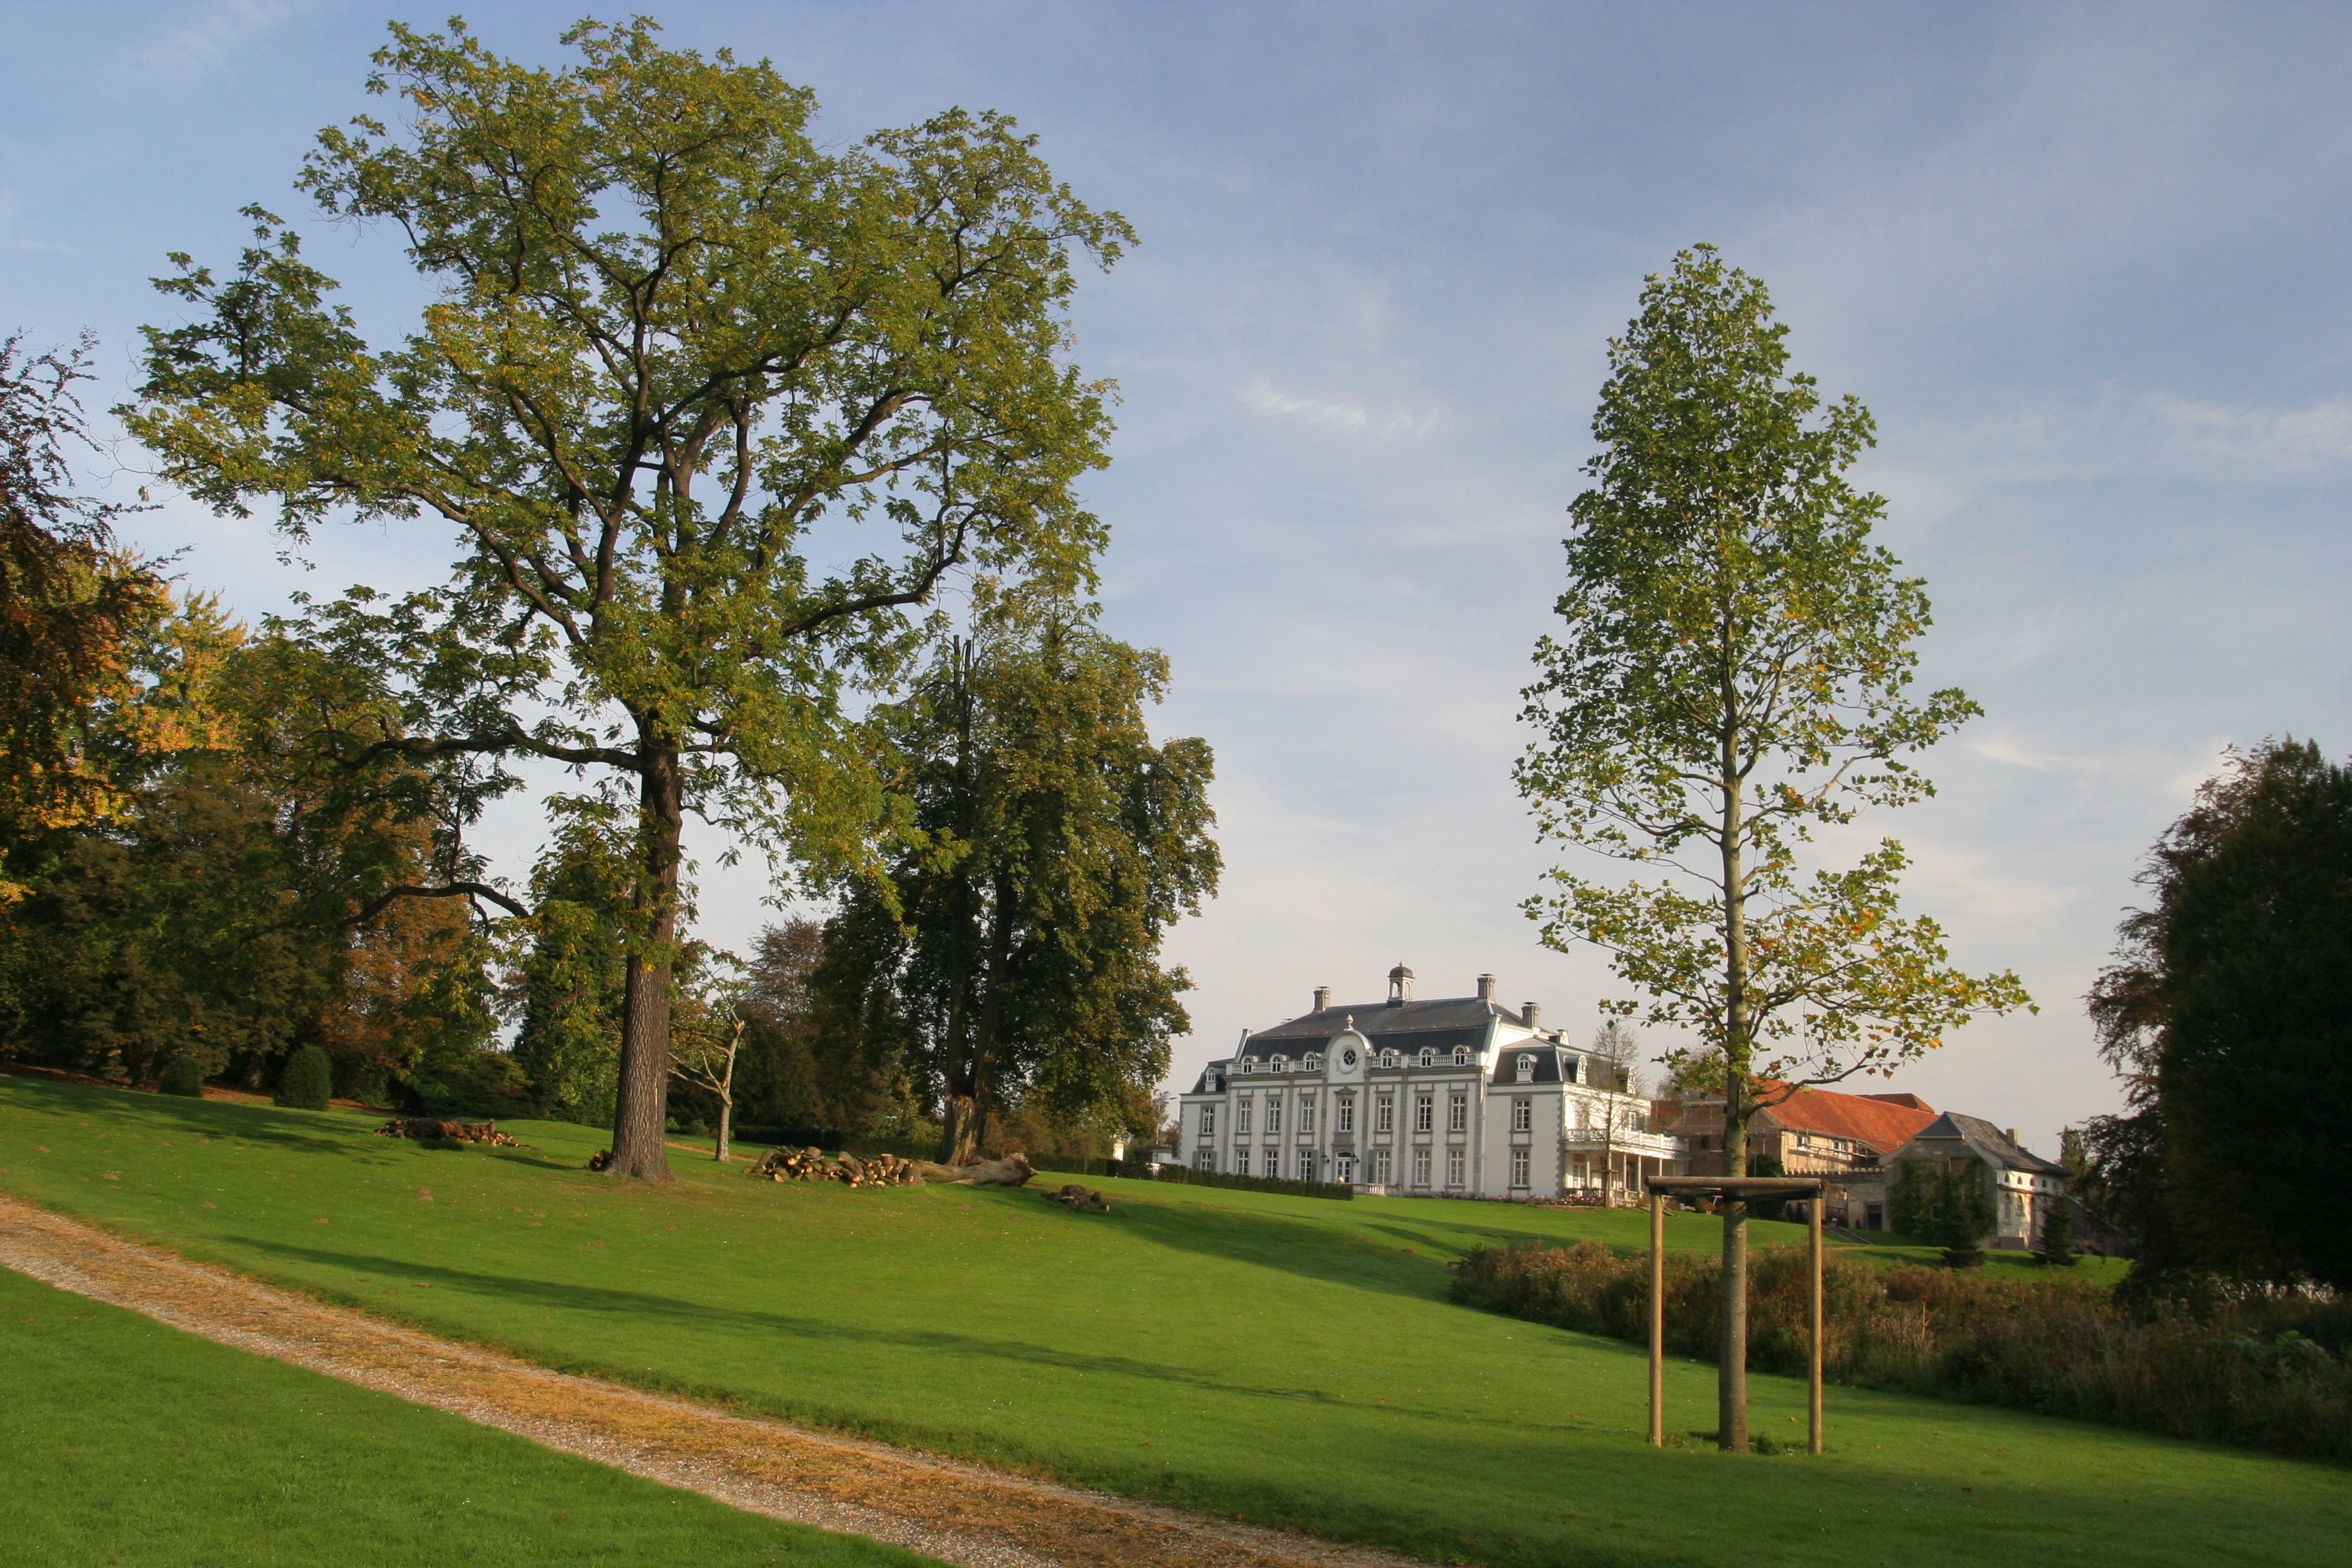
(1400, 986)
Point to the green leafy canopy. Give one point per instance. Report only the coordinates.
(675, 345)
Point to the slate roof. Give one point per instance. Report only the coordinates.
(1377, 1020)
(1989, 1143)
(1553, 1065)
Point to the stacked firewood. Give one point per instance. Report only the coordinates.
(435, 1130)
(815, 1165)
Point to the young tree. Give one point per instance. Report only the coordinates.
(1733, 672)
(1616, 1049)
(2221, 1012)
(1059, 844)
(677, 347)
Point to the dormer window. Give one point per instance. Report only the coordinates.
(1527, 1069)
(1314, 1061)
(1462, 1056)
(1245, 1065)
(1428, 1056)
(1388, 1059)
(1279, 1063)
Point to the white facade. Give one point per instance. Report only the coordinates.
(1453, 1098)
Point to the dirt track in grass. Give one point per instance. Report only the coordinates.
(963, 1513)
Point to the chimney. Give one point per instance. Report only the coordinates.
(1485, 988)
(1533, 1013)
(2013, 1137)
(1322, 998)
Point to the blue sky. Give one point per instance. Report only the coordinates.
(2086, 264)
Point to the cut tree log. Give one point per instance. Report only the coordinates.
(885, 1170)
(430, 1129)
(1085, 1199)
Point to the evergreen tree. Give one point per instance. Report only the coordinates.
(307, 1082)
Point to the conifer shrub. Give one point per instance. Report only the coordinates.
(182, 1075)
(308, 1081)
(2057, 1248)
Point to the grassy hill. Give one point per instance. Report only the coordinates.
(128, 1441)
(1289, 1359)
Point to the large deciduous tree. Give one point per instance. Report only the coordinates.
(1733, 673)
(2224, 1011)
(680, 356)
(1016, 946)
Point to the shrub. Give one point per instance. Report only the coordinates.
(2249, 1375)
(308, 1080)
(182, 1075)
(2057, 1248)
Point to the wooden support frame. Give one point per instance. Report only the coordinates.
(1736, 1188)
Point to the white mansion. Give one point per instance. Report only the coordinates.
(1453, 1098)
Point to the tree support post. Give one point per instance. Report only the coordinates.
(1657, 1320)
(1733, 1392)
(1814, 1371)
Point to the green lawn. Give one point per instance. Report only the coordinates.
(127, 1441)
(1291, 1359)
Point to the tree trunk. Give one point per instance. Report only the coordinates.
(727, 1092)
(1731, 1387)
(1731, 1378)
(642, 1107)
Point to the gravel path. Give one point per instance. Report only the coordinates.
(963, 1513)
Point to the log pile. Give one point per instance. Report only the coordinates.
(1084, 1199)
(886, 1170)
(432, 1129)
(815, 1165)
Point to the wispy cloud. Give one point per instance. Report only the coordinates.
(1351, 419)
(206, 38)
(15, 234)
(2114, 432)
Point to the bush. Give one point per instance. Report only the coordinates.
(182, 1075)
(1186, 1177)
(2256, 1372)
(308, 1081)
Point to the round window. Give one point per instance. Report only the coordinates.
(1348, 1058)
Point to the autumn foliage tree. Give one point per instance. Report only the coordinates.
(712, 409)
(1733, 672)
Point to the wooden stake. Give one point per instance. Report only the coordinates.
(1658, 1321)
(1814, 1386)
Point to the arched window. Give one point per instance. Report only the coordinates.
(1428, 1056)
(1527, 1068)
(1245, 1063)
(1278, 1063)
(1462, 1056)
(1314, 1061)
(1388, 1059)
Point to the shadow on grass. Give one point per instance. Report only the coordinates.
(670, 1312)
(343, 1134)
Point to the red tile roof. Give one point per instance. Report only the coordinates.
(1884, 1121)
